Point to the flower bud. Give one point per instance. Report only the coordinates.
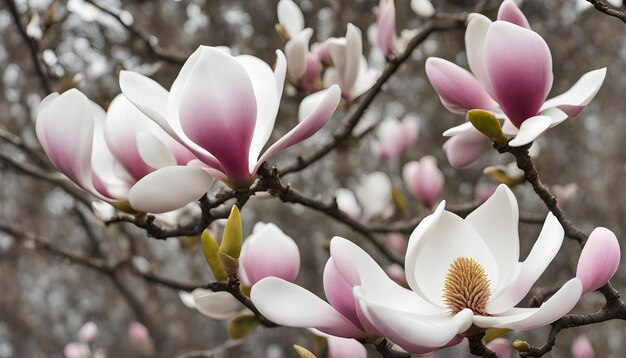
(242, 326)
(303, 352)
(268, 252)
(424, 180)
(582, 348)
(520, 346)
(599, 259)
(211, 255)
(231, 242)
(487, 124)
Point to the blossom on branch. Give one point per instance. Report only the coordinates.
(118, 156)
(511, 78)
(223, 108)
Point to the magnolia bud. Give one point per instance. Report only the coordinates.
(487, 124)
(211, 255)
(501, 347)
(520, 346)
(599, 259)
(303, 352)
(231, 242)
(242, 326)
(582, 348)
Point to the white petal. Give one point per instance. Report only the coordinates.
(218, 305)
(475, 35)
(403, 327)
(309, 103)
(153, 152)
(169, 188)
(528, 318)
(358, 268)
(435, 244)
(374, 193)
(296, 53)
(290, 17)
(461, 128)
(268, 94)
(556, 115)
(346, 201)
(530, 130)
(496, 221)
(579, 95)
(291, 305)
(149, 96)
(542, 253)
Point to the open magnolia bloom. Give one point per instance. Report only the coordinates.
(373, 198)
(465, 276)
(351, 71)
(223, 108)
(512, 76)
(116, 155)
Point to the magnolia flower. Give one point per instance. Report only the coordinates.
(138, 332)
(373, 194)
(76, 350)
(465, 276)
(394, 137)
(222, 108)
(350, 70)
(512, 76)
(88, 332)
(424, 180)
(423, 8)
(116, 155)
(303, 67)
(268, 252)
(386, 27)
(599, 259)
(582, 348)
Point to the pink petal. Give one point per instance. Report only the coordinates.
(262, 249)
(345, 348)
(501, 347)
(511, 13)
(218, 111)
(579, 95)
(599, 259)
(465, 149)
(313, 122)
(458, 89)
(386, 27)
(339, 293)
(519, 69)
(582, 348)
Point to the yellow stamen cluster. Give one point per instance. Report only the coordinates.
(466, 286)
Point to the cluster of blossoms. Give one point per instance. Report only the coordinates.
(157, 151)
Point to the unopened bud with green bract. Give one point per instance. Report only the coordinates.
(232, 240)
(520, 346)
(487, 124)
(210, 251)
(242, 326)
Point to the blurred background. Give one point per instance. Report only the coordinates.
(44, 300)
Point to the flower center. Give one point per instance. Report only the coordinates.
(466, 286)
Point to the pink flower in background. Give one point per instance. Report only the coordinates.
(339, 347)
(599, 259)
(138, 332)
(393, 137)
(115, 155)
(467, 148)
(424, 180)
(582, 348)
(223, 108)
(76, 350)
(268, 252)
(386, 27)
(372, 200)
(511, 77)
